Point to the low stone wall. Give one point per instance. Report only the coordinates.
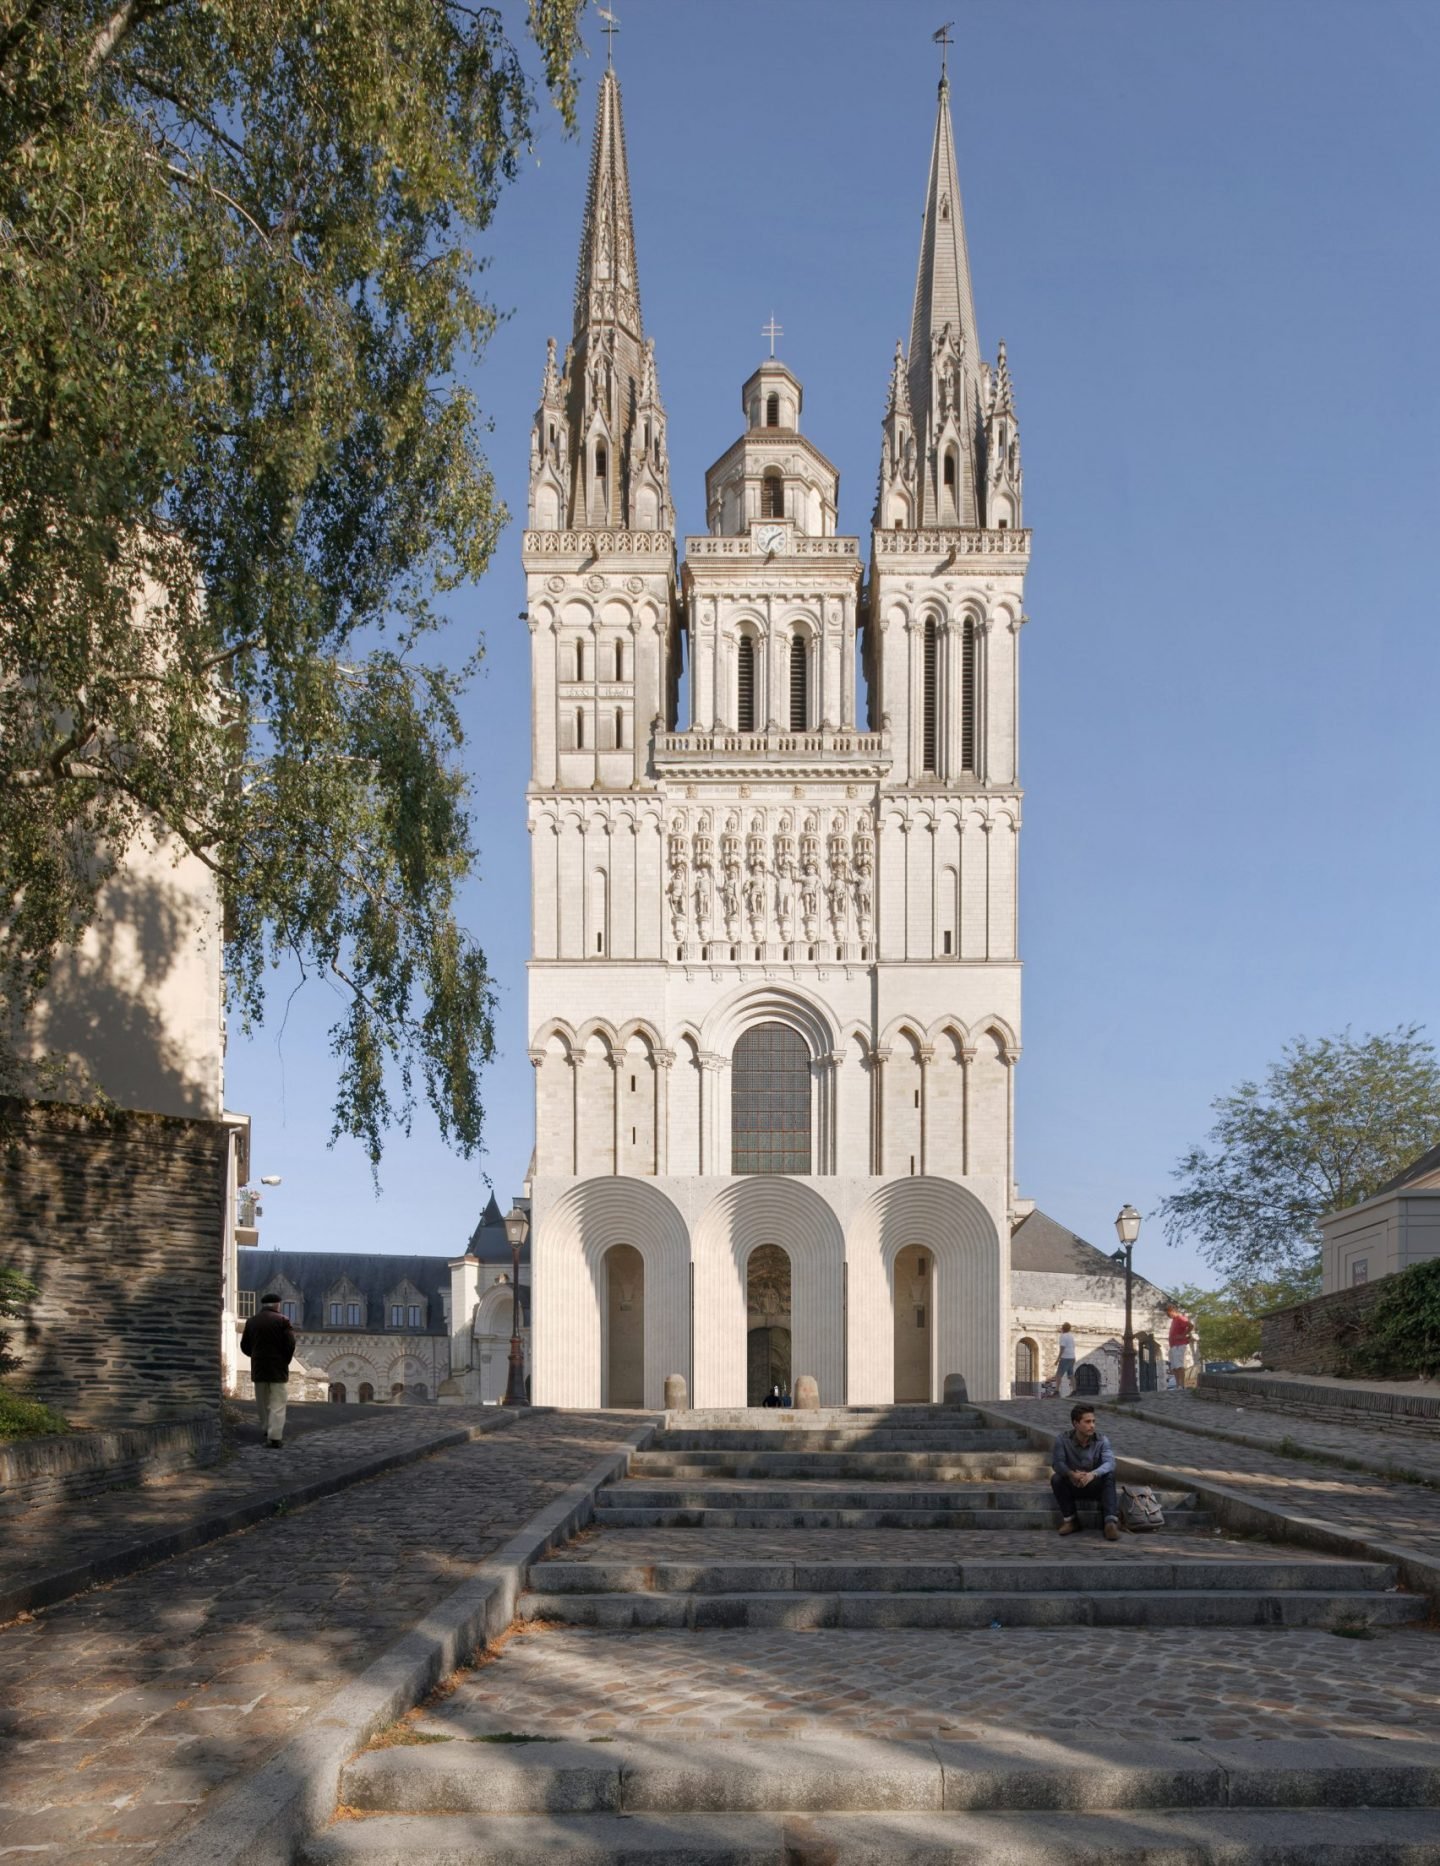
(1319, 1336)
(79, 1464)
(120, 1221)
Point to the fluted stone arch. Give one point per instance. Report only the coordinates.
(742, 1216)
(574, 1234)
(972, 1273)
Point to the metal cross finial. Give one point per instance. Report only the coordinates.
(610, 28)
(944, 41)
(772, 330)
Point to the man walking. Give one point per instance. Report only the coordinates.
(1083, 1464)
(1065, 1365)
(269, 1340)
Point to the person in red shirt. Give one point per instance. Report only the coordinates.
(1182, 1336)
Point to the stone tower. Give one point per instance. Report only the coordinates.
(774, 988)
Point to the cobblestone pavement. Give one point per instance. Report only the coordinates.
(56, 1537)
(1174, 1682)
(122, 1709)
(910, 1545)
(1407, 1515)
(1409, 1444)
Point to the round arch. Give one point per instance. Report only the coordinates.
(971, 1274)
(570, 1299)
(740, 1218)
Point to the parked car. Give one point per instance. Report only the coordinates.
(1222, 1367)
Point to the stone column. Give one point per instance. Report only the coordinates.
(927, 1056)
(877, 1125)
(617, 1063)
(967, 1058)
(577, 1063)
(711, 1069)
(663, 1061)
(831, 1157)
(464, 1294)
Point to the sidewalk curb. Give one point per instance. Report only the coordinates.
(113, 1565)
(261, 1821)
(1234, 1510)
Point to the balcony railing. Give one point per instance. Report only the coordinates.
(824, 745)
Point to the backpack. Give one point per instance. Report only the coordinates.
(1140, 1508)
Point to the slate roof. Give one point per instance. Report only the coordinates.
(1039, 1243)
(374, 1274)
(488, 1241)
(1422, 1174)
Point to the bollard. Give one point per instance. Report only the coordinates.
(677, 1395)
(955, 1391)
(807, 1394)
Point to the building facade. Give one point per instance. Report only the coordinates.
(775, 814)
(372, 1327)
(1397, 1227)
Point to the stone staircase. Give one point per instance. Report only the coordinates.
(745, 1554)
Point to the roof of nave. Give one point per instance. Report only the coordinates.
(1040, 1244)
(374, 1274)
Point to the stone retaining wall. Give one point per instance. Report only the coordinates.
(79, 1464)
(120, 1221)
(1318, 1336)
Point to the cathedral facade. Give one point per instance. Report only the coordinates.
(775, 812)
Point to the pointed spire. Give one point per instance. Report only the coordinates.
(1002, 396)
(606, 287)
(944, 342)
(550, 381)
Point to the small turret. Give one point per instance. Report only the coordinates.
(896, 499)
(1003, 477)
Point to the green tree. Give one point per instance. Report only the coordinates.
(16, 1292)
(1228, 1320)
(237, 471)
(1333, 1120)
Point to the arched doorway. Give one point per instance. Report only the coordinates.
(367, 1392)
(1027, 1370)
(624, 1326)
(337, 1392)
(768, 1321)
(1087, 1380)
(914, 1322)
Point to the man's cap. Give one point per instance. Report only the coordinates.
(265, 1299)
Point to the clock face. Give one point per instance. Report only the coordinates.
(769, 537)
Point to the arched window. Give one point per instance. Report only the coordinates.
(619, 729)
(799, 684)
(602, 473)
(951, 472)
(928, 718)
(367, 1392)
(579, 729)
(579, 660)
(770, 1101)
(967, 696)
(772, 411)
(337, 1392)
(619, 660)
(745, 684)
(772, 494)
(1027, 1370)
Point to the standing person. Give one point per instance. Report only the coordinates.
(269, 1340)
(1182, 1335)
(1065, 1366)
(1082, 1458)
(772, 1398)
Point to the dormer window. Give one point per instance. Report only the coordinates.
(772, 495)
(772, 411)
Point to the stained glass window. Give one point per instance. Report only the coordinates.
(770, 1102)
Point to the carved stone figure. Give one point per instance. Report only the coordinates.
(837, 894)
(755, 903)
(677, 893)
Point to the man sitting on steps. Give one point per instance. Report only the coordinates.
(1082, 1458)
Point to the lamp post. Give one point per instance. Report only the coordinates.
(516, 1226)
(1127, 1229)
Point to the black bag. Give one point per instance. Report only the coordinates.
(1140, 1508)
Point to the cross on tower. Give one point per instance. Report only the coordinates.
(944, 41)
(772, 330)
(610, 28)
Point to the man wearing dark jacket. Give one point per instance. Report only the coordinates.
(269, 1340)
(1082, 1464)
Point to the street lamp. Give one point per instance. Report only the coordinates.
(516, 1226)
(1127, 1229)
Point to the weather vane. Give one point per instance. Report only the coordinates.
(610, 28)
(944, 41)
(772, 330)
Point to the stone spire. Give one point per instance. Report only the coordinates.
(617, 425)
(1004, 480)
(896, 497)
(944, 362)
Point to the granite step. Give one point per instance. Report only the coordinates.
(719, 1576)
(957, 1515)
(1163, 1837)
(965, 1611)
(830, 1439)
(979, 1461)
(759, 1494)
(1004, 1771)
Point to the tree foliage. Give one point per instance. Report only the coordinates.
(16, 1293)
(236, 470)
(1333, 1120)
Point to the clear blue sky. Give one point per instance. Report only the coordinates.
(1207, 233)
